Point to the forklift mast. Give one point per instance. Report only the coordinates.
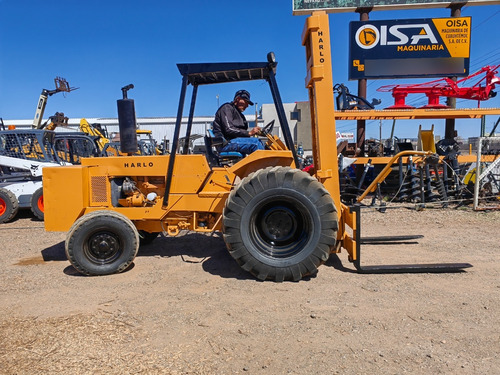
(319, 83)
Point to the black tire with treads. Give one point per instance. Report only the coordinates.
(280, 224)
(36, 204)
(9, 205)
(102, 243)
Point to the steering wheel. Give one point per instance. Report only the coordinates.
(267, 129)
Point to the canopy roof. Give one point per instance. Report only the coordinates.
(207, 73)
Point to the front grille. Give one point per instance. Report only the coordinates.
(99, 190)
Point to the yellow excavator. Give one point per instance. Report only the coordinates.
(147, 145)
(94, 131)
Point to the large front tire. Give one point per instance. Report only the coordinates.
(9, 205)
(280, 224)
(102, 243)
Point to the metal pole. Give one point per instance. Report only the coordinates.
(190, 120)
(393, 146)
(449, 132)
(256, 114)
(278, 103)
(364, 15)
(380, 137)
(478, 173)
(175, 141)
(492, 133)
(361, 124)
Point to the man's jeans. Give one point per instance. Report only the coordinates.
(243, 145)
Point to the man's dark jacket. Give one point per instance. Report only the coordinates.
(230, 122)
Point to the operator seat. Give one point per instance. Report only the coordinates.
(214, 156)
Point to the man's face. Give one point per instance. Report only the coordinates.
(241, 104)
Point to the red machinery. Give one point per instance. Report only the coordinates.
(446, 87)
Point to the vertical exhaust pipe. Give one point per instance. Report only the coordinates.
(127, 123)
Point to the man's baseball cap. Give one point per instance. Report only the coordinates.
(243, 94)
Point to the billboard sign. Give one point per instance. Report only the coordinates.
(433, 47)
(336, 6)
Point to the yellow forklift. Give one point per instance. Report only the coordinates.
(278, 222)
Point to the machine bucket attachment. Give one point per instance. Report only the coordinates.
(393, 240)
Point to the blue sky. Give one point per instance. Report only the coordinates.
(100, 46)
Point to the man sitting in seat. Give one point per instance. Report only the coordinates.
(231, 124)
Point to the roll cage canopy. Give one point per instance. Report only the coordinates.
(207, 73)
(211, 73)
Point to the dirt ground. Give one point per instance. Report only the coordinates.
(185, 307)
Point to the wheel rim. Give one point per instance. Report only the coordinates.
(103, 247)
(280, 228)
(40, 204)
(3, 207)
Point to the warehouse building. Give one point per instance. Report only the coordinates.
(162, 128)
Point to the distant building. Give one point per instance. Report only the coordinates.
(162, 128)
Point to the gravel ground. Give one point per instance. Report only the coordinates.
(185, 307)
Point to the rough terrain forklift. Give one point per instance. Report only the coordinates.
(278, 222)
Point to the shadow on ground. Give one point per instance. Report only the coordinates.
(192, 248)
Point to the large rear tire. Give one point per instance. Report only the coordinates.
(37, 204)
(280, 224)
(9, 205)
(102, 243)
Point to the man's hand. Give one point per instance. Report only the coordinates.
(254, 131)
